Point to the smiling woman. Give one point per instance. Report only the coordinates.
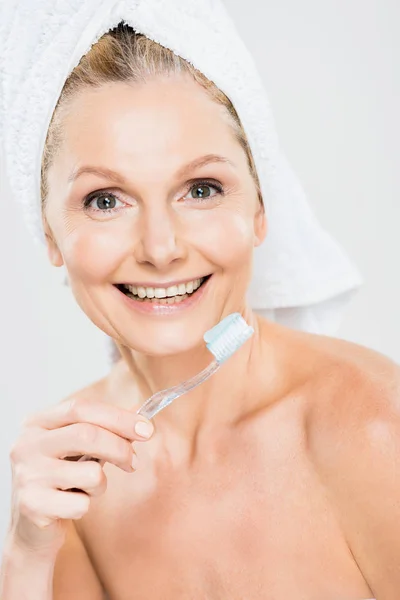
(155, 194)
(187, 206)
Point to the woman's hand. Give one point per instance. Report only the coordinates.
(79, 425)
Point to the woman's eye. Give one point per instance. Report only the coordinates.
(201, 191)
(102, 202)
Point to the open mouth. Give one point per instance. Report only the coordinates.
(163, 295)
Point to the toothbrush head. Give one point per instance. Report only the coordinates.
(227, 336)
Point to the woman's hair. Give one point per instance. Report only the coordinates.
(122, 55)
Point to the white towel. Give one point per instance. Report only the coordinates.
(302, 277)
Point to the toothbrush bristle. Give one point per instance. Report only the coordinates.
(228, 336)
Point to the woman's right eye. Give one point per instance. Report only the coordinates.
(104, 202)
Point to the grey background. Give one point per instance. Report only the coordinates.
(332, 70)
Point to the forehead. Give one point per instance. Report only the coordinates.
(166, 115)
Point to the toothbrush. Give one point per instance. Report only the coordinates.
(222, 341)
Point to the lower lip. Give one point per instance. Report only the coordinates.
(152, 308)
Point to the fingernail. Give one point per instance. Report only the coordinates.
(144, 429)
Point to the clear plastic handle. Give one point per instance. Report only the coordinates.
(162, 399)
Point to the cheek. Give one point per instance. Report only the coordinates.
(226, 238)
(92, 254)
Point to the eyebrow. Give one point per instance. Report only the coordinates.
(106, 173)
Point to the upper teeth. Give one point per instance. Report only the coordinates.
(174, 290)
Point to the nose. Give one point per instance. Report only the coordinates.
(159, 245)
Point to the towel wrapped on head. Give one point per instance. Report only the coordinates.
(302, 277)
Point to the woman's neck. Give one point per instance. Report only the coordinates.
(227, 397)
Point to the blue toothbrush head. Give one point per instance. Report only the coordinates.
(227, 336)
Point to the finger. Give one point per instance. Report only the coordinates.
(87, 476)
(85, 438)
(81, 409)
(44, 506)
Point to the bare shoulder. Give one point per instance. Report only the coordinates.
(353, 430)
(117, 387)
(358, 387)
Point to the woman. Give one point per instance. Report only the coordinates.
(277, 477)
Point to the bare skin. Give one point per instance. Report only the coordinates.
(278, 473)
(254, 507)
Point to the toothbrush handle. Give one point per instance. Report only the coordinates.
(162, 399)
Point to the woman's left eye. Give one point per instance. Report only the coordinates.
(203, 191)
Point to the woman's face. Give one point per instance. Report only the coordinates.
(151, 190)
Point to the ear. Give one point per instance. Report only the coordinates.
(53, 251)
(260, 226)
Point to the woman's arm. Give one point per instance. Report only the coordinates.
(67, 575)
(25, 575)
